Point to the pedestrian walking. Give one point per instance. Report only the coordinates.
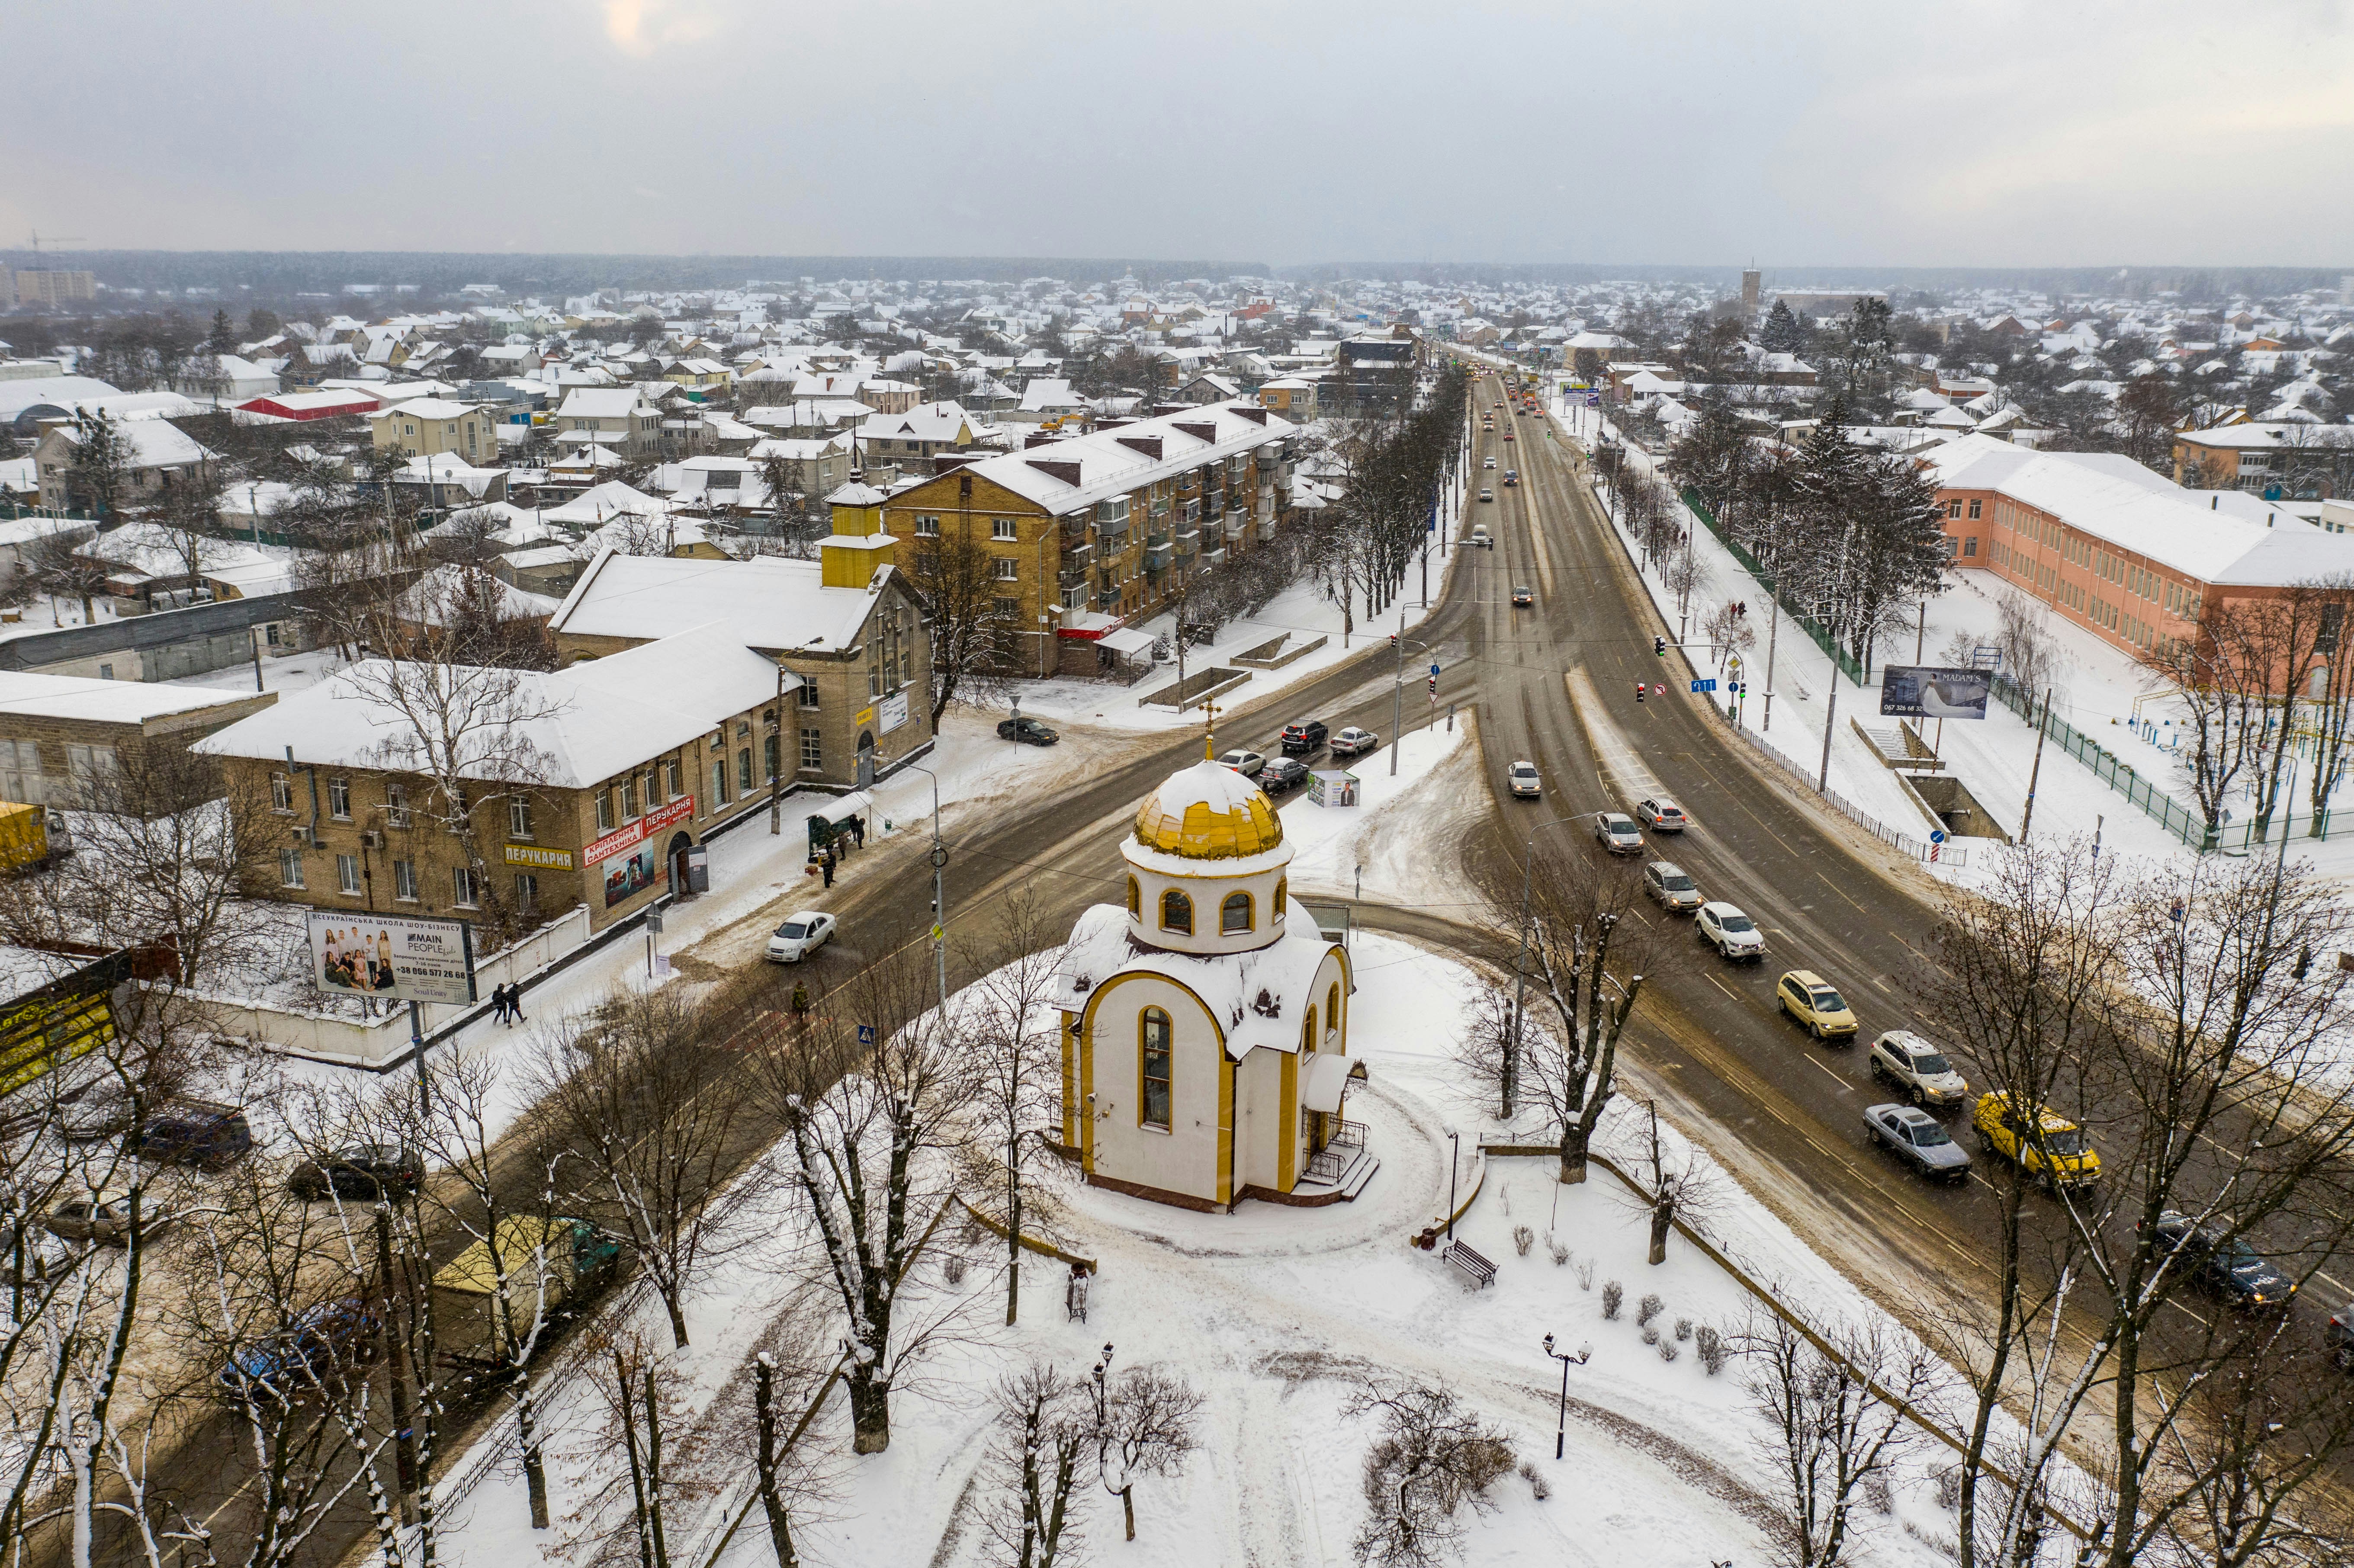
(499, 1003)
(858, 831)
(514, 1004)
(825, 866)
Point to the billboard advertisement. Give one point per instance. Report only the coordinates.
(1929, 691)
(392, 957)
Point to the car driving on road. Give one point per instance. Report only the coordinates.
(1354, 742)
(1285, 773)
(799, 936)
(1521, 780)
(104, 1217)
(1480, 539)
(1247, 763)
(1523, 595)
(361, 1171)
(1487, 463)
(1672, 886)
(1303, 735)
(1732, 934)
(2056, 1152)
(1617, 834)
(1661, 815)
(1920, 1141)
(1486, 494)
(1028, 731)
(1816, 1005)
(1511, 478)
(1902, 1058)
(2215, 1260)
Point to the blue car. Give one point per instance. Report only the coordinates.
(307, 1352)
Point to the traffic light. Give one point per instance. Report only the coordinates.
(1660, 646)
(1638, 691)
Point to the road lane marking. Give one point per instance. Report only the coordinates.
(1835, 887)
(1845, 1087)
(1725, 988)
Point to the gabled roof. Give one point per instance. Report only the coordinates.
(588, 721)
(767, 603)
(1080, 472)
(601, 403)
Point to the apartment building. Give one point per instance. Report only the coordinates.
(614, 416)
(2115, 548)
(1088, 532)
(611, 772)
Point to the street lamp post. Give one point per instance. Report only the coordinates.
(1561, 1422)
(939, 892)
(1454, 1161)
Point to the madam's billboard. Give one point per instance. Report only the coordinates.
(397, 960)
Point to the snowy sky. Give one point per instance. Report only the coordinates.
(1996, 133)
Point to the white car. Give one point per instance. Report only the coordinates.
(799, 936)
(1732, 934)
(1617, 834)
(1354, 742)
(1489, 464)
(1918, 1068)
(1247, 763)
(1661, 815)
(1521, 780)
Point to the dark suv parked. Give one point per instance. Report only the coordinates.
(1303, 737)
(1283, 774)
(362, 1171)
(192, 1132)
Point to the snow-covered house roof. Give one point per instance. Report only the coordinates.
(587, 722)
(766, 602)
(1094, 467)
(2218, 537)
(1257, 997)
(600, 504)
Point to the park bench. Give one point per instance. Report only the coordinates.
(1482, 1271)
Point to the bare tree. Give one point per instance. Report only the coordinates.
(868, 1126)
(1042, 1434)
(1143, 1426)
(60, 570)
(1834, 1418)
(1016, 1083)
(650, 1133)
(1431, 1458)
(1588, 961)
(975, 631)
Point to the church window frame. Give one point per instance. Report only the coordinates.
(1233, 905)
(1177, 913)
(1282, 896)
(1308, 1036)
(1135, 899)
(1332, 1008)
(1155, 1089)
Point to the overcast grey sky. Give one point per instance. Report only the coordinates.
(1993, 133)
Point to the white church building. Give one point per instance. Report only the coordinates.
(1205, 1025)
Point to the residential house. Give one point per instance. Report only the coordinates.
(910, 441)
(1293, 397)
(2290, 459)
(156, 456)
(428, 427)
(85, 744)
(616, 417)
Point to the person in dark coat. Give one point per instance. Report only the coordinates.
(825, 865)
(858, 831)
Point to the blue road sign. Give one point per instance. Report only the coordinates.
(1593, 402)
(1704, 685)
(866, 1034)
(1936, 836)
(1434, 666)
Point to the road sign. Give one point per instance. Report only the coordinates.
(1591, 401)
(1704, 685)
(1936, 836)
(866, 1034)
(1434, 666)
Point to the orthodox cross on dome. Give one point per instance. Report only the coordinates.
(1210, 729)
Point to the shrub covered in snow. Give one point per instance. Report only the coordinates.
(1612, 1293)
(1651, 1307)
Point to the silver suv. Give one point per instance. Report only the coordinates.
(1902, 1058)
(1671, 885)
(1617, 834)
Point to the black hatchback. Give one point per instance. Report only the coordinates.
(1304, 735)
(361, 1171)
(1028, 731)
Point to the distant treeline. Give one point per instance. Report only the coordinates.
(2196, 281)
(276, 275)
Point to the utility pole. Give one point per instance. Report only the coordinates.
(939, 894)
(1397, 693)
(1831, 726)
(777, 769)
(2043, 727)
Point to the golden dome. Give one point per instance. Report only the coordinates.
(1208, 813)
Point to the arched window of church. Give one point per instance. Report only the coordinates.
(1282, 892)
(1308, 1034)
(1176, 913)
(1135, 898)
(1332, 1006)
(1153, 1033)
(1234, 913)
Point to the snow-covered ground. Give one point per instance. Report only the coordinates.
(2103, 694)
(1276, 1315)
(1301, 611)
(290, 672)
(1397, 844)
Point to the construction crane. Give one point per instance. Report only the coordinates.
(55, 239)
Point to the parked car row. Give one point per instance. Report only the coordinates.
(1300, 738)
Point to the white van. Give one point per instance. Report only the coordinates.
(1480, 537)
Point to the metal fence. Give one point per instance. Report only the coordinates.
(1847, 663)
(1921, 850)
